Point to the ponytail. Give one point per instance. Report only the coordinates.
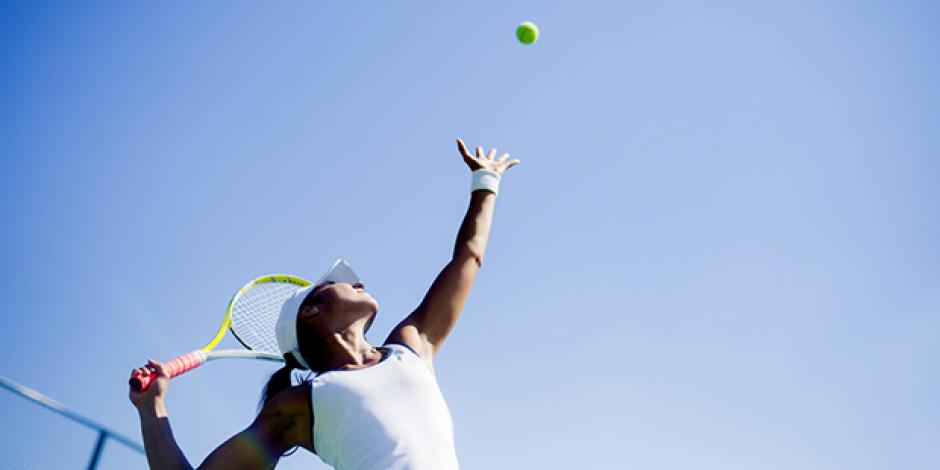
(280, 380)
(310, 345)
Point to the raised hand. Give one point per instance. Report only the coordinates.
(486, 162)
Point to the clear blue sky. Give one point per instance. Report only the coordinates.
(721, 249)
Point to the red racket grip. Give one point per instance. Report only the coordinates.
(174, 367)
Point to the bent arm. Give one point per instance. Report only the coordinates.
(241, 451)
(285, 422)
(162, 450)
(428, 326)
(282, 424)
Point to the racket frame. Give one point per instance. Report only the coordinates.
(191, 360)
(227, 324)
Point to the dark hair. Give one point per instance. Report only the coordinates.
(282, 378)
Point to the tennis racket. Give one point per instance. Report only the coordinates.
(251, 315)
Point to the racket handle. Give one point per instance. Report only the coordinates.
(174, 367)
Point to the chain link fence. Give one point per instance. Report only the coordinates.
(37, 432)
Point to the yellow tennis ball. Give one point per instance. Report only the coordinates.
(527, 32)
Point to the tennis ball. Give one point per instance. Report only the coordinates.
(527, 32)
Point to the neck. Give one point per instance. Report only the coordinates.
(348, 348)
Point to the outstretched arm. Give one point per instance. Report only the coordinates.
(428, 326)
(282, 424)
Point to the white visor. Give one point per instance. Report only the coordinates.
(286, 329)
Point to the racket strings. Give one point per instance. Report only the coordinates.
(255, 314)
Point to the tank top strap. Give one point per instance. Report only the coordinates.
(400, 347)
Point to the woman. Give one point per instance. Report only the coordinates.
(367, 407)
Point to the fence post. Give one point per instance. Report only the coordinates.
(93, 463)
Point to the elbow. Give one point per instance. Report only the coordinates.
(470, 254)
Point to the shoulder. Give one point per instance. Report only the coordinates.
(407, 335)
(290, 397)
(414, 349)
(287, 418)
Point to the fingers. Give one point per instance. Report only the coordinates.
(467, 158)
(479, 151)
(157, 367)
(462, 148)
(152, 367)
(507, 165)
(478, 160)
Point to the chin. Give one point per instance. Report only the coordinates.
(367, 299)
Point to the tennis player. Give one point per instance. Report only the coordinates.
(366, 407)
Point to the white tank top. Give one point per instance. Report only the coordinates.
(390, 416)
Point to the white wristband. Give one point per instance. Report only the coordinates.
(485, 180)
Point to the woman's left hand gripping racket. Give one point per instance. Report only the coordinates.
(252, 315)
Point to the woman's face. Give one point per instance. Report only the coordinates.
(341, 298)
